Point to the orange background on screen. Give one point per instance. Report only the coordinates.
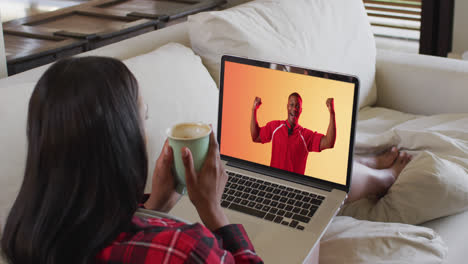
(243, 82)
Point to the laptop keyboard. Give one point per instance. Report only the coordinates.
(273, 202)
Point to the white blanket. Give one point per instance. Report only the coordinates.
(434, 183)
(356, 241)
(379, 128)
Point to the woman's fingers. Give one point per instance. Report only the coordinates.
(168, 156)
(213, 149)
(190, 174)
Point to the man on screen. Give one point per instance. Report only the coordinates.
(291, 143)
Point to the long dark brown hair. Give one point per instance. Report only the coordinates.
(86, 165)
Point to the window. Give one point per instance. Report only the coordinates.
(426, 22)
(395, 18)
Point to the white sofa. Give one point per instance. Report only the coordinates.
(415, 84)
(3, 66)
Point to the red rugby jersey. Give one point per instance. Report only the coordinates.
(289, 152)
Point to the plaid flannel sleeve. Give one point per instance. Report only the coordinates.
(228, 244)
(231, 245)
(234, 239)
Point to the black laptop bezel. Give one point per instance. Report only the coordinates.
(283, 174)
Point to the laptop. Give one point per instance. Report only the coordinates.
(288, 174)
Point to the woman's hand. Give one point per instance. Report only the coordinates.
(163, 195)
(206, 187)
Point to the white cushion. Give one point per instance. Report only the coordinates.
(434, 184)
(331, 35)
(14, 101)
(348, 240)
(177, 88)
(415, 83)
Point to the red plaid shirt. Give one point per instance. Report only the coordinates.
(161, 240)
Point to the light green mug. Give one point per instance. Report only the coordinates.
(196, 137)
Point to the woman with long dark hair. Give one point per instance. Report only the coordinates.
(85, 175)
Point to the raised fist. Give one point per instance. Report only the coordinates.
(331, 105)
(257, 103)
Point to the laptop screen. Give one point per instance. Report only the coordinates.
(288, 118)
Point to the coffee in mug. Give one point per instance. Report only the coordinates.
(194, 136)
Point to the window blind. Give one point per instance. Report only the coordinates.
(395, 18)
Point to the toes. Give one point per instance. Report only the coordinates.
(394, 151)
(408, 158)
(401, 157)
(405, 158)
(402, 154)
(392, 155)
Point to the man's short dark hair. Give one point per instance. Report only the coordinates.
(295, 94)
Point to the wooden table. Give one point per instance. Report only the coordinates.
(34, 41)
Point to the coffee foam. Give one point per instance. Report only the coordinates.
(189, 130)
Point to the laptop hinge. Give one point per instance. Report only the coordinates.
(279, 175)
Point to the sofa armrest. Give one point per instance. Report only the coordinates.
(421, 84)
(3, 65)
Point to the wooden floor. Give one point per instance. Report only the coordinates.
(13, 9)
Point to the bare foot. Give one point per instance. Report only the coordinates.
(381, 161)
(388, 176)
(373, 182)
(399, 164)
